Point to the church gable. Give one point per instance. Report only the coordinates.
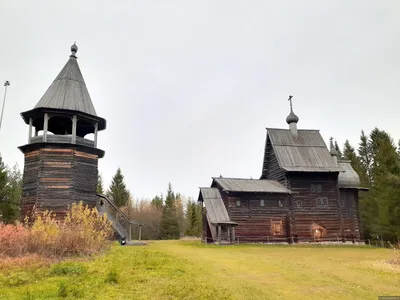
(304, 152)
(271, 168)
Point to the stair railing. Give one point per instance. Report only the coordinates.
(115, 214)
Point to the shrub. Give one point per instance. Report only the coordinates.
(82, 232)
(13, 240)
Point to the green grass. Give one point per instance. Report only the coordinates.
(191, 270)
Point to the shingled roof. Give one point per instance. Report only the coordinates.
(251, 185)
(306, 152)
(349, 178)
(68, 91)
(216, 211)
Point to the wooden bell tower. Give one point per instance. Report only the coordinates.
(61, 163)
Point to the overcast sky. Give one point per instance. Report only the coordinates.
(188, 87)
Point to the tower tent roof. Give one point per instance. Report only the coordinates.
(68, 90)
(67, 93)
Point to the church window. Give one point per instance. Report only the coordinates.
(262, 202)
(280, 204)
(316, 188)
(322, 201)
(238, 203)
(299, 204)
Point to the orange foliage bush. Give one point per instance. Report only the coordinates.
(82, 232)
(13, 240)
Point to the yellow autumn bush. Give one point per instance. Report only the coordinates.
(83, 231)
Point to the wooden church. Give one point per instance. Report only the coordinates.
(61, 163)
(305, 193)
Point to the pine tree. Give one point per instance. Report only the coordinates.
(180, 215)
(158, 202)
(100, 188)
(337, 148)
(383, 152)
(365, 155)
(350, 153)
(398, 148)
(118, 189)
(169, 227)
(10, 210)
(386, 176)
(3, 187)
(193, 219)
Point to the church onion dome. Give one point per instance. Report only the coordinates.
(292, 118)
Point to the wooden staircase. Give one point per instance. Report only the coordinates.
(119, 220)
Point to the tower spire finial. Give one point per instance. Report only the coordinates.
(74, 49)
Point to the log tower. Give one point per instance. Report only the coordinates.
(61, 163)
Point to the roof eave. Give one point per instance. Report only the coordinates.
(36, 146)
(322, 170)
(354, 187)
(260, 192)
(225, 223)
(30, 113)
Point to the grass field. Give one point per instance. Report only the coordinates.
(190, 270)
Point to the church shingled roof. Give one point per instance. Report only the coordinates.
(306, 152)
(251, 185)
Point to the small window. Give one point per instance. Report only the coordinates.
(280, 204)
(322, 201)
(299, 204)
(262, 202)
(316, 188)
(238, 203)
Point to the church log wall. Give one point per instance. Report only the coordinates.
(259, 223)
(315, 201)
(350, 214)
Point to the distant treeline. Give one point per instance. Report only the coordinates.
(169, 217)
